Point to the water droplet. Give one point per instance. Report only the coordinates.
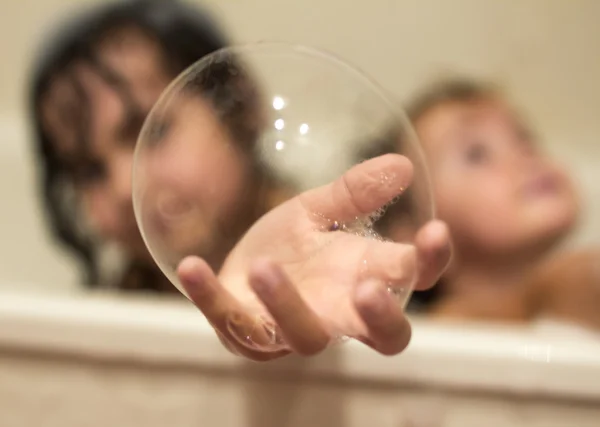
(399, 293)
(387, 178)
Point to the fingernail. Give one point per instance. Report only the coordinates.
(239, 329)
(273, 333)
(257, 336)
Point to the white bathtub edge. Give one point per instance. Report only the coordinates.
(527, 360)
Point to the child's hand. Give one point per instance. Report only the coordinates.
(316, 281)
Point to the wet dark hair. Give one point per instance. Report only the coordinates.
(184, 35)
(453, 90)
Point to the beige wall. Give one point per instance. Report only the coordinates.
(546, 51)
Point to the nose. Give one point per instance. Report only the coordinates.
(529, 161)
(520, 156)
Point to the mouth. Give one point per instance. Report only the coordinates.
(547, 184)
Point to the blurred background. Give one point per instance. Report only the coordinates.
(71, 359)
(544, 51)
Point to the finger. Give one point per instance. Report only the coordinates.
(224, 312)
(388, 330)
(434, 252)
(391, 264)
(361, 190)
(300, 326)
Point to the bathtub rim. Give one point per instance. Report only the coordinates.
(552, 361)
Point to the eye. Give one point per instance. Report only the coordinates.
(477, 153)
(88, 173)
(131, 130)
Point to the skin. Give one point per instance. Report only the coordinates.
(567, 287)
(506, 203)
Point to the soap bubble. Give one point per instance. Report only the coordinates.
(249, 127)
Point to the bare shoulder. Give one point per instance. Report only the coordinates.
(568, 286)
(512, 307)
(574, 267)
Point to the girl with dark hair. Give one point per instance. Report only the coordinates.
(93, 85)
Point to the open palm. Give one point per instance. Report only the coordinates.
(299, 278)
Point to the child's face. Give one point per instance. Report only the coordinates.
(498, 193)
(196, 179)
(100, 156)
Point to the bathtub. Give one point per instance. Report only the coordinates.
(97, 360)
